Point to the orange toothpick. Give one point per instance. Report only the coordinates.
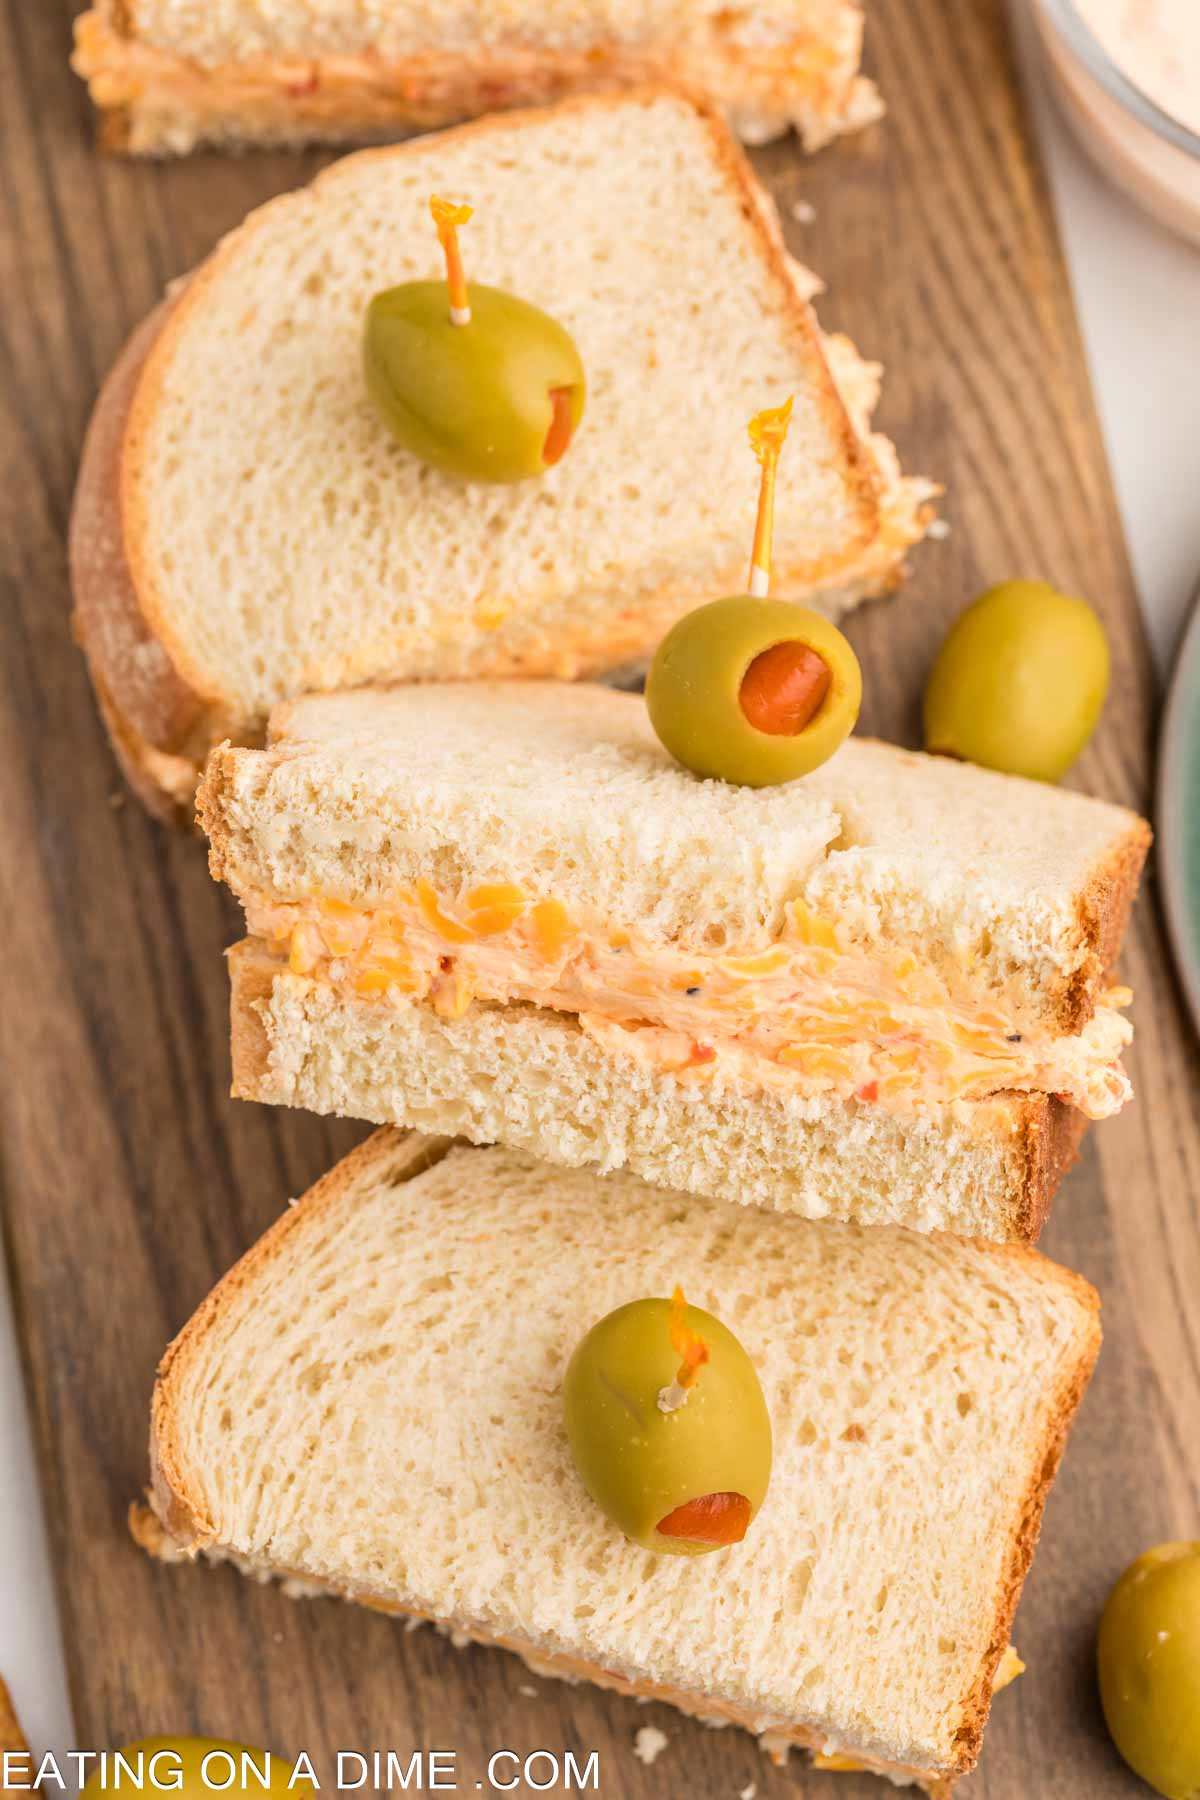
(767, 430)
(691, 1350)
(448, 217)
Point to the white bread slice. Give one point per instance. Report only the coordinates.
(245, 530)
(1003, 885)
(531, 1078)
(167, 79)
(403, 1331)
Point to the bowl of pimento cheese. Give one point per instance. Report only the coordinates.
(1127, 77)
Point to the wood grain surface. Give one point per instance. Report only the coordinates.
(131, 1180)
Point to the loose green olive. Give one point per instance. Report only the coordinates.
(753, 691)
(1149, 1662)
(702, 1469)
(497, 399)
(193, 1766)
(1019, 682)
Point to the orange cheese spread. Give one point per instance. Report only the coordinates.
(802, 1016)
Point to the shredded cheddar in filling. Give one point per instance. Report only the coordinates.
(804, 1015)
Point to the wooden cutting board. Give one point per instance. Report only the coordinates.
(131, 1181)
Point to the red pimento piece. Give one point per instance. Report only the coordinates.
(784, 689)
(713, 1519)
(868, 1091)
(558, 438)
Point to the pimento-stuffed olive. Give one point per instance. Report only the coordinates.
(668, 1426)
(476, 382)
(753, 691)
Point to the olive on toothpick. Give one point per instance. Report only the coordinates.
(471, 379)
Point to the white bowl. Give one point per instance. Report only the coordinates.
(1147, 152)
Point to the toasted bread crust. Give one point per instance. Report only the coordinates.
(156, 701)
(184, 1528)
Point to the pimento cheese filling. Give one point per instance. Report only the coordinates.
(805, 1015)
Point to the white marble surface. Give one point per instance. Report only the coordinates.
(1138, 294)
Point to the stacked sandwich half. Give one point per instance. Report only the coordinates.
(167, 78)
(879, 996)
(815, 1056)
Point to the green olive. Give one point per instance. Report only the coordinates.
(1019, 682)
(497, 399)
(753, 691)
(1149, 1661)
(703, 1467)
(193, 1766)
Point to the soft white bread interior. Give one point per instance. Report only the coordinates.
(402, 1333)
(246, 529)
(532, 1078)
(998, 883)
(169, 77)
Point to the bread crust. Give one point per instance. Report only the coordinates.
(1103, 905)
(1045, 1130)
(157, 703)
(188, 1531)
(1052, 1132)
(145, 693)
(1058, 1417)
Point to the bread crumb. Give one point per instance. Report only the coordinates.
(749, 1791)
(530, 1693)
(116, 799)
(414, 1622)
(803, 212)
(296, 1589)
(777, 1747)
(938, 529)
(649, 1744)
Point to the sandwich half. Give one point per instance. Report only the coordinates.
(880, 993)
(245, 530)
(404, 1331)
(168, 78)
